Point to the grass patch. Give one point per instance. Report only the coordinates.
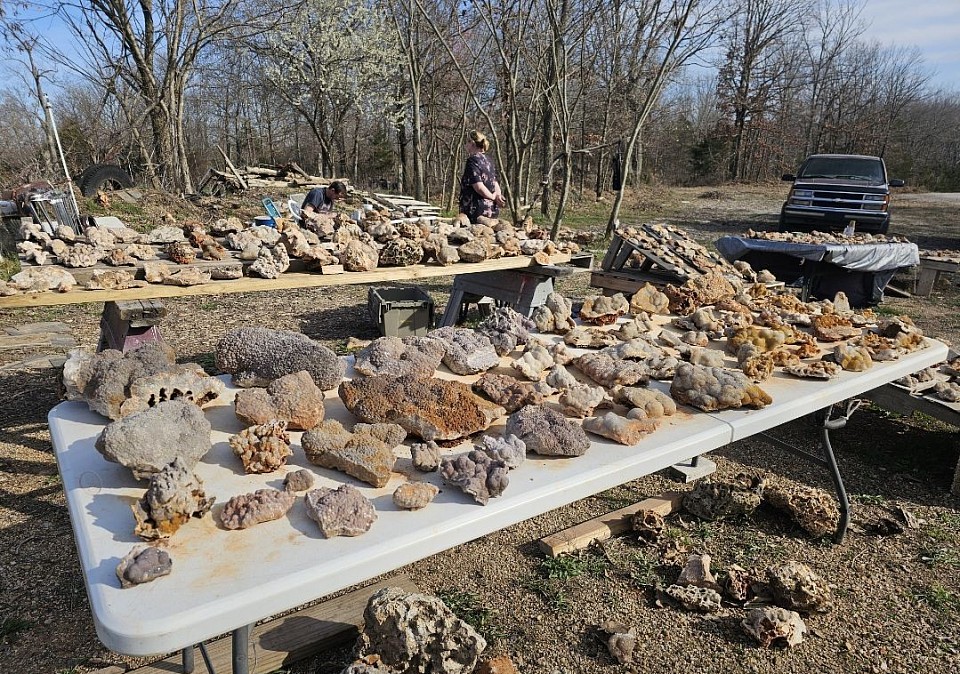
(551, 591)
(468, 607)
(869, 499)
(940, 542)
(8, 267)
(565, 567)
(938, 598)
(12, 626)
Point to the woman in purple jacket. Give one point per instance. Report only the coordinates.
(480, 193)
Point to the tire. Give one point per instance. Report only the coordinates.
(103, 177)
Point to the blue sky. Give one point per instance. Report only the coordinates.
(931, 25)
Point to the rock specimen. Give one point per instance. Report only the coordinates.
(535, 362)
(796, 586)
(263, 505)
(359, 256)
(417, 634)
(511, 393)
(852, 358)
(431, 409)
(41, 279)
(395, 356)
(271, 262)
(340, 512)
(646, 403)
(695, 598)
(813, 509)
(603, 309)
(509, 448)
(298, 480)
(547, 432)
(147, 441)
(608, 371)
(142, 564)
(648, 525)
(174, 496)
(476, 474)
(256, 356)
(414, 495)
(425, 456)
(697, 572)
(649, 299)
(262, 448)
(580, 400)
(466, 351)
(187, 382)
(715, 388)
(698, 291)
(772, 626)
(711, 501)
(293, 398)
(113, 279)
(620, 429)
(554, 315)
(401, 253)
(366, 453)
(506, 329)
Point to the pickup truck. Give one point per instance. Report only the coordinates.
(831, 192)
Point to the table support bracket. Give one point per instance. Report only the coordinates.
(826, 458)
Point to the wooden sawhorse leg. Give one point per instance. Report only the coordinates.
(126, 324)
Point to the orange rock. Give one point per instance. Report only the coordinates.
(502, 664)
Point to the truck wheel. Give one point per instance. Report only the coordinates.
(103, 177)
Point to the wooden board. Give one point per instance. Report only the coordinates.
(285, 281)
(601, 528)
(294, 637)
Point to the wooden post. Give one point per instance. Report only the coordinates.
(233, 169)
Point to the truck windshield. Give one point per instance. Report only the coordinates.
(870, 170)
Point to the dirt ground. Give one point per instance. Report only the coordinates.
(897, 597)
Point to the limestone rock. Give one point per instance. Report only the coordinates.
(180, 252)
(293, 398)
(186, 382)
(155, 272)
(506, 329)
(697, 572)
(142, 564)
(401, 253)
(695, 598)
(188, 276)
(711, 501)
(646, 403)
(174, 496)
(112, 279)
(270, 263)
(620, 429)
(359, 256)
(797, 587)
(41, 279)
(603, 309)
(554, 315)
(340, 512)
(262, 448)
(813, 509)
(366, 453)
(414, 495)
(417, 634)
(774, 626)
(545, 431)
(147, 441)
(431, 409)
(263, 505)
(580, 400)
(256, 356)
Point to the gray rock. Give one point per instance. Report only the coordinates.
(174, 496)
(147, 441)
(395, 356)
(298, 480)
(425, 456)
(366, 453)
(467, 352)
(547, 432)
(256, 356)
(340, 512)
(142, 564)
(417, 634)
(476, 474)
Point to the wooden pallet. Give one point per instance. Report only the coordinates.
(399, 202)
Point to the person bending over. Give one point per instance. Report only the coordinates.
(322, 199)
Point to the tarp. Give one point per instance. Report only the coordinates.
(869, 257)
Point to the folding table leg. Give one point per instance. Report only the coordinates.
(187, 659)
(241, 643)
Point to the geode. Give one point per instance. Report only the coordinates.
(174, 496)
(293, 398)
(256, 356)
(340, 512)
(547, 432)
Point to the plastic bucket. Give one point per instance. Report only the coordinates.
(264, 221)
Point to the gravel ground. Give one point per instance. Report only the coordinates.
(897, 597)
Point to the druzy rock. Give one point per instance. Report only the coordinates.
(256, 356)
(298, 480)
(545, 431)
(620, 429)
(395, 356)
(417, 634)
(716, 388)
(262, 448)
(466, 351)
(142, 564)
(366, 453)
(340, 512)
(477, 474)
(425, 456)
(174, 496)
(147, 441)
(506, 329)
(401, 253)
(263, 505)
(511, 393)
(293, 398)
(431, 409)
(414, 495)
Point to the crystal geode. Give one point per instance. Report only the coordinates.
(147, 441)
(431, 409)
(256, 356)
(174, 496)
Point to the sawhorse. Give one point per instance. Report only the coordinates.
(523, 290)
(126, 324)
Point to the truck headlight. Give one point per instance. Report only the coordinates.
(875, 202)
(800, 197)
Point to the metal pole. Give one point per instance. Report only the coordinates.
(48, 110)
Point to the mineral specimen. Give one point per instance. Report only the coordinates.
(431, 409)
(340, 512)
(417, 634)
(506, 329)
(510, 449)
(298, 480)
(263, 505)
(174, 496)
(395, 356)
(40, 279)
(620, 429)
(714, 388)
(511, 393)
(580, 400)
(466, 351)
(773, 626)
(547, 432)
(186, 382)
(797, 587)
(293, 398)
(256, 356)
(425, 456)
(695, 598)
(262, 448)
(554, 315)
(650, 300)
(603, 309)
(366, 453)
(414, 495)
(647, 403)
(477, 474)
(608, 371)
(147, 441)
(142, 564)
(813, 509)
(697, 572)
